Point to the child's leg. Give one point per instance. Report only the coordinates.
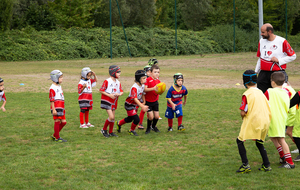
(149, 120)
(111, 116)
(81, 115)
(278, 146)
(242, 151)
(56, 128)
(142, 114)
(286, 150)
(135, 122)
(86, 117)
(263, 152)
(62, 124)
(170, 123)
(289, 132)
(155, 119)
(297, 142)
(179, 120)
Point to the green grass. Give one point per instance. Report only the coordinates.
(205, 156)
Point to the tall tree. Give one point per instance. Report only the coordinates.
(6, 10)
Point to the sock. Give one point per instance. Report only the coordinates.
(242, 151)
(86, 117)
(179, 120)
(81, 118)
(280, 151)
(62, 124)
(288, 158)
(106, 125)
(133, 126)
(56, 129)
(263, 152)
(297, 142)
(170, 122)
(122, 122)
(111, 126)
(142, 114)
(154, 122)
(149, 123)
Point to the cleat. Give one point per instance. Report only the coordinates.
(295, 151)
(266, 169)
(89, 125)
(53, 138)
(113, 135)
(282, 160)
(170, 129)
(297, 159)
(132, 133)
(159, 118)
(244, 169)
(140, 126)
(181, 128)
(60, 140)
(287, 166)
(104, 133)
(148, 131)
(118, 127)
(155, 129)
(83, 126)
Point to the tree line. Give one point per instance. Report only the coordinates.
(191, 14)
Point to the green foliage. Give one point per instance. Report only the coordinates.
(29, 44)
(6, 12)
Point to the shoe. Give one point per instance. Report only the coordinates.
(60, 140)
(159, 118)
(263, 168)
(89, 125)
(118, 127)
(148, 131)
(104, 133)
(287, 166)
(53, 138)
(170, 129)
(282, 160)
(113, 135)
(152, 128)
(297, 159)
(244, 169)
(181, 128)
(83, 126)
(156, 130)
(132, 133)
(295, 151)
(140, 126)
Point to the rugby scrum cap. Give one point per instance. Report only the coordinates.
(139, 74)
(152, 61)
(55, 74)
(147, 68)
(249, 76)
(85, 71)
(176, 77)
(113, 70)
(1, 80)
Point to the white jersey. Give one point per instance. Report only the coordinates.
(89, 83)
(136, 91)
(2, 96)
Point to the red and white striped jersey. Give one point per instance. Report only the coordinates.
(56, 95)
(85, 98)
(136, 91)
(2, 96)
(111, 87)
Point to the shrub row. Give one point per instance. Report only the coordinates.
(29, 44)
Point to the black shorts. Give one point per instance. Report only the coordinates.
(264, 80)
(153, 106)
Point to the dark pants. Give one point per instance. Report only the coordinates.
(264, 80)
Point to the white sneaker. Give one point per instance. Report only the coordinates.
(159, 118)
(89, 125)
(83, 126)
(295, 151)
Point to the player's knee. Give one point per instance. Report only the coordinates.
(136, 119)
(82, 110)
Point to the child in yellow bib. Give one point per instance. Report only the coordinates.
(256, 115)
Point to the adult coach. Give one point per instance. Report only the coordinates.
(274, 53)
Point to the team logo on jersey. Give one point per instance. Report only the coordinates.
(269, 53)
(273, 47)
(265, 47)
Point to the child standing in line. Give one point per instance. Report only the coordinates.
(147, 69)
(279, 103)
(111, 90)
(2, 95)
(133, 102)
(256, 115)
(57, 104)
(152, 99)
(85, 98)
(174, 103)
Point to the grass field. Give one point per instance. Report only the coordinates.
(205, 156)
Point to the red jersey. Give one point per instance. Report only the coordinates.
(111, 87)
(56, 95)
(85, 98)
(136, 91)
(2, 96)
(151, 96)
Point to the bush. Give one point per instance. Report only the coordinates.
(75, 43)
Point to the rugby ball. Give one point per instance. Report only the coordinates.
(161, 87)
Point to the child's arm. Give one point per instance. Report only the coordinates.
(81, 88)
(150, 89)
(3, 106)
(142, 106)
(144, 99)
(295, 100)
(95, 77)
(172, 103)
(243, 114)
(184, 101)
(54, 112)
(112, 96)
